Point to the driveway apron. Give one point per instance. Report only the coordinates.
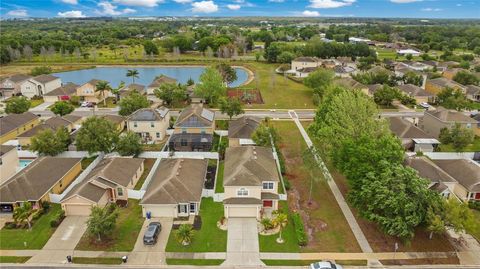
(242, 244)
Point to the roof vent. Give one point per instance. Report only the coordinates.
(178, 173)
(254, 157)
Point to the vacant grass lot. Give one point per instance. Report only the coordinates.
(124, 236)
(329, 231)
(14, 259)
(34, 238)
(209, 238)
(194, 261)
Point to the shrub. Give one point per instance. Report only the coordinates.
(287, 183)
(299, 229)
(75, 100)
(57, 219)
(267, 223)
(10, 225)
(474, 205)
(46, 206)
(37, 214)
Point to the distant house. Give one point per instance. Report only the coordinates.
(434, 121)
(40, 85)
(11, 86)
(420, 95)
(240, 131)
(87, 92)
(149, 123)
(250, 181)
(304, 72)
(117, 120)
(473, 92)
(350, 83)
(417, 66)
(379, 70)
(62, 93)
(34, 183)
(158, 81)
(193, 130)
(8, 162)
(344, 71)
(176, 188)
(372, 88)
(437, 85)
(449, 73)
(15, 124)
(108, 182)
(405, 52)
(412, 137)
(52, 123)
(194, 98)
(125, 91)
(305, 62)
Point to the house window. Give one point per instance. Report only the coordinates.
(242, 192)
(268, 185)
(152, 124)
(202, 132)
(135, 124)
(183, 142)
(158, 135)
(119, 191)
(184, 131)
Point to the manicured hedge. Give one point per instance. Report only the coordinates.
(299, 229)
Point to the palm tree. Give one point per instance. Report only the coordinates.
(103, 86)
(116, 90)
(280, 220)
(22, 213)
(184, 234)
(132, 73)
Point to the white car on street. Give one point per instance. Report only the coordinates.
(325, 265)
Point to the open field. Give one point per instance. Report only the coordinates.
(329, 231)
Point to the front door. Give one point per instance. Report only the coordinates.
(182, 209)
(267, 203)
(193, 208)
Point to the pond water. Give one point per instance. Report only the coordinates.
(115, 75)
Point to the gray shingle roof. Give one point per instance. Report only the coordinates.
(405, 129)
(243, 127)
(149, 114)
(65, 90)
(45, 78)
(195, 116)
(5, 149)
(13, 121)
(413, 90)
(466, 172)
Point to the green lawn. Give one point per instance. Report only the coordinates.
(194, 261)
(268, 243)
(221, 124)
(14, 259)
(108, 104)
(35, 238)
(470, 148)
(153, 147)
(99, 260)
(124, 236)
(219, 184)
(36, 102)
(475, 232)
(209, 238)
(147, 166)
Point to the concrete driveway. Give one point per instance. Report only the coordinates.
(155, 254)
(242, 242)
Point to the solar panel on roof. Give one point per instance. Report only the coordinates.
(207, 114)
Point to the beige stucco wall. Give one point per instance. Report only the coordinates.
(28, 89)
(9, 165)
(299, 65)
(253, 191)
(145, 127)
(179, 130)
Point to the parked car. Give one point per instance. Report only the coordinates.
(325, 265)
(87, 104)
(151, 234)
(424, 105)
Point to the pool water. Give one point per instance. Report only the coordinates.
(115, 75)
(24, 163)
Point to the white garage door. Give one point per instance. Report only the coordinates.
(77, 210)
(242, 212)
(160, 211)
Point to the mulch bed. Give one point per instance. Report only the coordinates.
(243, 94)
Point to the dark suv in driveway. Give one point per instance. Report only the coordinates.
(151, 234)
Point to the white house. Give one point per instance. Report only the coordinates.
(405, 52)
(40, 85)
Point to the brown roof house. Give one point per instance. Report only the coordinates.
(158, 81)
(305, 62)
(62, 93)
(117, 120)
(412, 137)
(53, 123)
(34, 183)
(250, 181)
(149, 123)
(437, 85)
(87, 92)
(8, 162)
(11, 86)
(193, 130)
(419, 94)
(125, 91)
(351, 84)
(240, 131)
(108, 182)
(40, 85)
(473, 92)
(434, 121)
(15, 124)
(467, 173)
(176, 188)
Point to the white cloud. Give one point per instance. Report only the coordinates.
(183, 1)
(204, 7)
(71, 2)
(139, 3)
(330, 3)
(18, 13)
(431, 9)
(239, 1)
(404, 1)
(111, 10)
(309, 13)
(276, 1)
(458, 5)
(233, 7)
(71, 14)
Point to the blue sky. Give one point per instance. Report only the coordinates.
(304, 8)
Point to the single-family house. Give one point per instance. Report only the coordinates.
(473, 92)
(420, 95)
(412, 137)
(15, 124)
(250, 181)
(158, 81)
(351, 84)
(8, 162)
(193, 130)
(126, 90)
(149, 123)
(417, 66)
(437, 85)
(40, 85)
(405, 52)
(240, 131)
(108, 182)
(175, 189)
(194, 98)
(11, 86)
(434, 121)
(344, 70)
(449, 73)
(467, 173)
(117, 120)
(62, 93)
(34, 183)
(53, 123)
(304, 72)
(88, 92)
(305, 62)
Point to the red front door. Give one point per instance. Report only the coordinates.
(477, 196)
(267, 203)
